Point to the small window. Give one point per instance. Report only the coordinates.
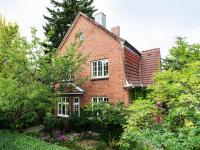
(76, 106)
(99, 99)
(81, 36)
(63, 107)
(100, 69)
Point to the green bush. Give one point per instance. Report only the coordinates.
(25, 121)
(101, 146)
(169, 117)
(5, 119)
(105, 119)
(16, 141)
(51, 123)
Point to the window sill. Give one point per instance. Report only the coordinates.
(99, 78)
(64, 116)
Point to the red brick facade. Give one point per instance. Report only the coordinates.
(124, 61)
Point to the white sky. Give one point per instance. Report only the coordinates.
(145, 24)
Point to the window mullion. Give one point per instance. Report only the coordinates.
(97, 68)
(102, 62)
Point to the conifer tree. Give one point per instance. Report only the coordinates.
(61, 17)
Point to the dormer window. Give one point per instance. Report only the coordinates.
(81, 36)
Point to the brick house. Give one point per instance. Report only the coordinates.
(114, 67)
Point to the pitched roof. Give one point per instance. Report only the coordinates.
(140, 69)
(150, 64)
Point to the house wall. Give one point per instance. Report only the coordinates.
(100, 45)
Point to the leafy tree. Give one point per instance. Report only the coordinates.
(169, 117)
(26, 75)
(181, 54)
(61, 17)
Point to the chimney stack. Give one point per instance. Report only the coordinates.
(116, 30)
(101, 19)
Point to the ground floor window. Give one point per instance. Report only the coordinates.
(63, 107)
(76, 106)
(99, 99)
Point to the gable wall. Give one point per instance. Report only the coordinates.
(100, 45)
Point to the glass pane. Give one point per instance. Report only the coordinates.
(100, 68)
(105, 68)
(81, 36)
(59, 108)
(105, 99)
(94, 99)
(94, 71)
(100, 99)
(63, 109)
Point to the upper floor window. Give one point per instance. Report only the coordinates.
(63, 107)
(81, 36)
(100, 69)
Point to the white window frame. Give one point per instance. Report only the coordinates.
(76, 105)
(103, 75)
(100, 99)
(63, 101)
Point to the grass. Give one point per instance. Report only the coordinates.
(17, 141)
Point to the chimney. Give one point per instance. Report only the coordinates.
(101, 19)
(116, 30)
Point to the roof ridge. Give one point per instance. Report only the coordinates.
(153, 49)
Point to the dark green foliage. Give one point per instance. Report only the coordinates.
(5, 119)
(27, 78)
(16, 141)
(169, 117)
(61, 17)
(106, 119)
(139, 92)
(101, 145)
(27, 120)
(50, 124)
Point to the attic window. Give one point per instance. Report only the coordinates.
(81, 36)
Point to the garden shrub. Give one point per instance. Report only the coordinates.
(101, 145)
(51, 123)
(105, 119)
(25, 121)
(169, 117)
(5, 119)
